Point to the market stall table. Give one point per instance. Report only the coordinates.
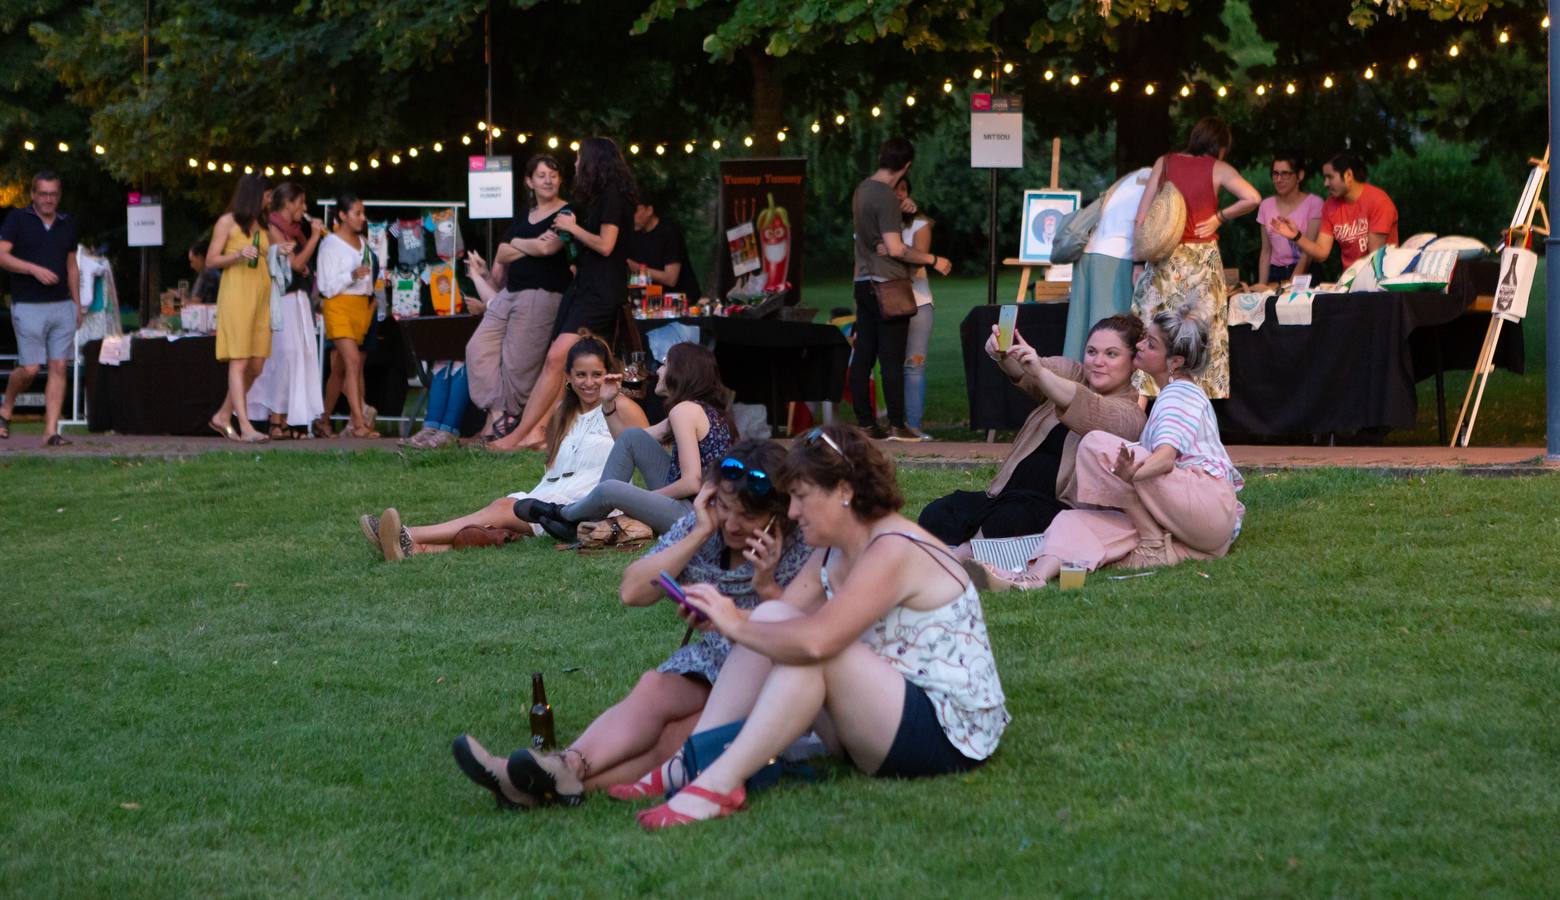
(165, 387)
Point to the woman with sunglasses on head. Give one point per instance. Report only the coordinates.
(1167, 498)
(880, 644)
(699, 428)
(738, 539)
(579, 441)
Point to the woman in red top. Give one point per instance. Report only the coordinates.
(1194, 272)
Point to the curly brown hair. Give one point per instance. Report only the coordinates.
(831, 454)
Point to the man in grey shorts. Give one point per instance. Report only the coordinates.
(38, 248)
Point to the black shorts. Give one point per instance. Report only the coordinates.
(578, 311)
(921, 748)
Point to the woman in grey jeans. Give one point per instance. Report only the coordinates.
(699, 428)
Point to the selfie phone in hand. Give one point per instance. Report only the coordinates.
(674, 590)
(1007, 318)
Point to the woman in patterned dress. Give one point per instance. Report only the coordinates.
(880, 644)
(1193, 274)
(737, 540)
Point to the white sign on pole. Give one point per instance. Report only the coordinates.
(1517, 267)
(996, 132)
(490, 185)
(143, 221)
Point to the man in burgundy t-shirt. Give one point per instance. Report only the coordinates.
(1357, 216)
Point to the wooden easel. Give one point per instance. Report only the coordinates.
(1042, 294)
(1522, 227)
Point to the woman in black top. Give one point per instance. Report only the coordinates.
(604, 191)
(505, 354)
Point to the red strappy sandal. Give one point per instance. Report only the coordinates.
(663, 816)
(641, 789)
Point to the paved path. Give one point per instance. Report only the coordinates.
(934, 453)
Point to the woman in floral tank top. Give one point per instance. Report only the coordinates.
(880, 640)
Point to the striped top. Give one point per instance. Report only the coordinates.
(1183, 418)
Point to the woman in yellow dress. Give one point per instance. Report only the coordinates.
(238, 247)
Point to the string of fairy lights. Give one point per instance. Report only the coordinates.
(1063, 80)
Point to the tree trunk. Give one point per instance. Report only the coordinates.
(767, 98)
(1146, 54)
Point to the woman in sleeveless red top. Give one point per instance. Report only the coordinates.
(1193, 275)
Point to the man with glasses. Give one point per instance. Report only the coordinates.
(38, 248)
(1281, 257)
(1359, 217)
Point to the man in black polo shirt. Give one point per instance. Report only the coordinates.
(658, 247)
(38, 248)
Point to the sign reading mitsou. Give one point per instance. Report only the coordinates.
(490, 187)
(996, 131)
(143, 221)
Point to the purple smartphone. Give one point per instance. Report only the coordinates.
(674, 590)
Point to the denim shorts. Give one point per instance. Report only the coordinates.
(921, 748)
(44, 331)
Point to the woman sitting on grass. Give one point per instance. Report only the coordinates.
(700, 430)
(880, 644)
(1038, 480)
(579, 441)
(737, 538)
(1168, 498)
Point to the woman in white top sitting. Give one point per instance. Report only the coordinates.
(1167, 498)
(580, 435)
(856, 648)
(1102, 277)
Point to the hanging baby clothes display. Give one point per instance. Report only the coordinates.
(446, 237)
(445, 290)
(379, 242)
(97, 286)
(409, 242)
(406, 300)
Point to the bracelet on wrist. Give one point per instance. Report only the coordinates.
(609, 412)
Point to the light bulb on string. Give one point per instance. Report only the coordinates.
(482, 126)
(978, 74)
(286, 170)
(1327, 82)
(1007, 68)
(877, 111)
(634, 149)
(210, 166)
(395, 159)
(747, 141)
(269, 171)
(1370, 72)
(249, 170)
(947, 87)
(1413, 63)
(1148, 90)
(194, 163)
(816, 127)
(839, 119)
(412, 153)
(1049, 75)
(227, 168)
(438, 147)
(715, 144)
(466, 139)
(1544, 24)
(1290, 88)
(1115, 86)
(552, 143)
(353, 166)
(1504, 38)
(1075, 80)
(330, 169)
(98, 149)
(688, 148)
(521, 137)
(64, 147)
(306, 170)
(574, 146)
(1261, 90)
(28, 146)
(1186, 90)
(372, 164)
(910, 100)
(496, 132)
(780, 136)
(1223, 91)
(660, 149)
(1453, 51)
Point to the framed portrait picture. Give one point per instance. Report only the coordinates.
(1043, 211)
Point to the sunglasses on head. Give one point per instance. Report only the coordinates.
(758, 483)
(817, 434)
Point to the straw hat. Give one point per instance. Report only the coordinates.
(1161, 230)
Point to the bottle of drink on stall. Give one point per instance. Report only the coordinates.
(541, 716)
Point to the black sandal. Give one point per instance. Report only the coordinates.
(57, 440)
(5, 429)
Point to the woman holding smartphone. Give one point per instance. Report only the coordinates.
(738, 539)
(599, 220)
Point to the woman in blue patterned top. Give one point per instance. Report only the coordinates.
(697, 425)
(737, 539)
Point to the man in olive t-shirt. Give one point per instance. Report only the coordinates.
(882, 255)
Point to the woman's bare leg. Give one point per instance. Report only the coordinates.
(498, 514)
(672, 738)
(634, 727)
(352, 380)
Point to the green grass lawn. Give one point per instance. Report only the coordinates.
(214, 688)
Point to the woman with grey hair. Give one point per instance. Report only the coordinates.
(1168, 497)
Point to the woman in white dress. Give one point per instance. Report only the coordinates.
(288, 391)
(580, 435)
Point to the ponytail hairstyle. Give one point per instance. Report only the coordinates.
(344, 201)
(1186, 336)
(691, 374)
(568, 409)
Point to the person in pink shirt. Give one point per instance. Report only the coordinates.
(1281, 260)
(1358, 216)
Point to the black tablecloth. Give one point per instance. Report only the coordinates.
(994, 402)
(167, 387)
(773, 361)
(1355, 366)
